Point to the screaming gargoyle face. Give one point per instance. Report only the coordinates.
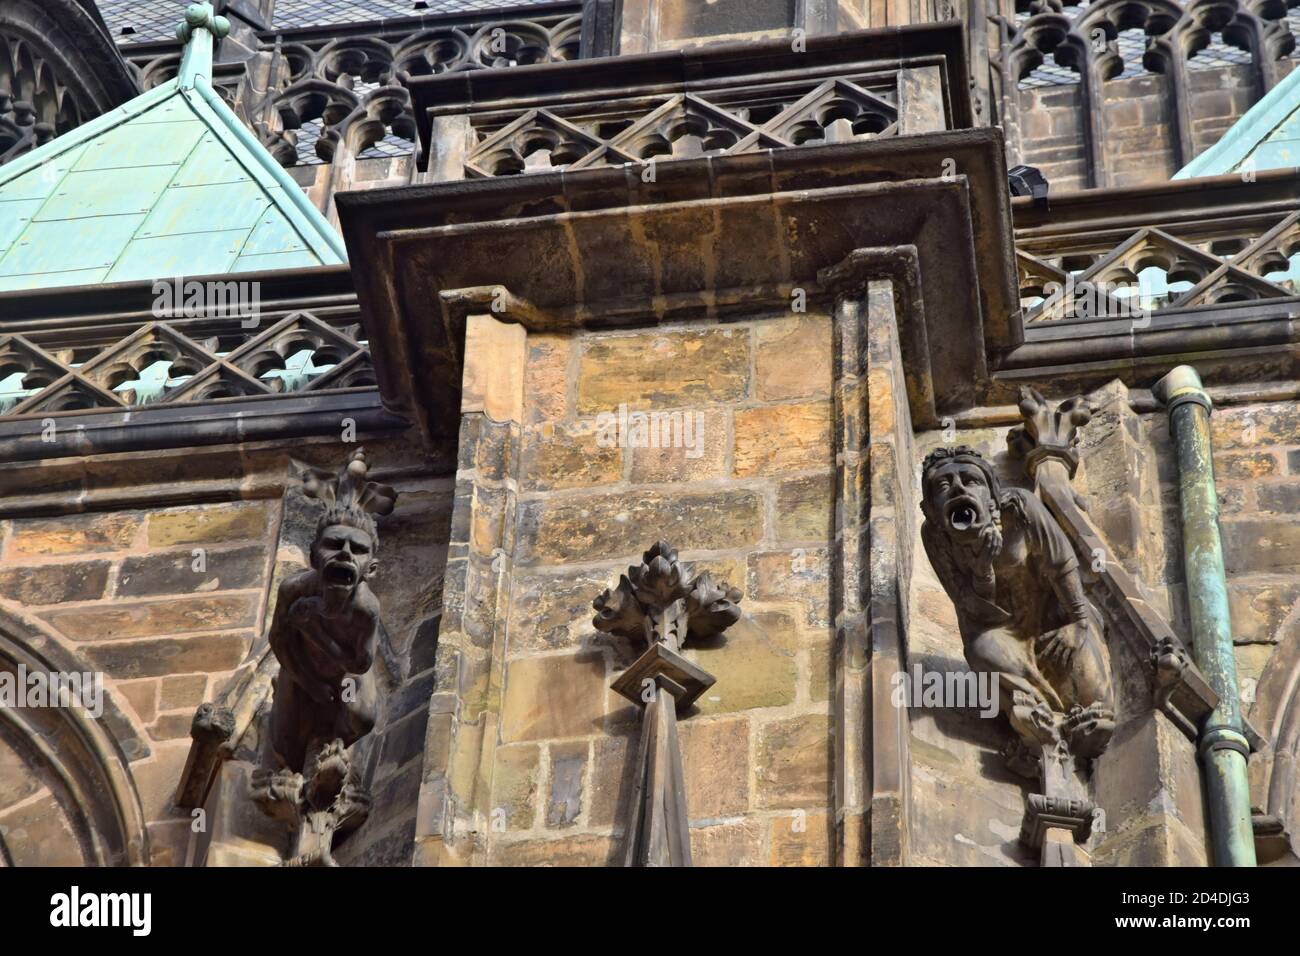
(342, 556)
(959, 498)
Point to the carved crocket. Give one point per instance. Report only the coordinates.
(1014, 579)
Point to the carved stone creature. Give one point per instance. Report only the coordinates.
(324, 634)
(1014, 579)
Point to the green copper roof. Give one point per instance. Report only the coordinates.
(1267, 137)
(170, 184)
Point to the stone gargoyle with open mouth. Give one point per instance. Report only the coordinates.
(1013, 577)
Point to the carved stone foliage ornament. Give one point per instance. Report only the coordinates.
(656, 601)
(660, 603)
(324, 634)
(1014, 579)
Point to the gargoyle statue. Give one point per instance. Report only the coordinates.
(1014, 579)
(324, 634)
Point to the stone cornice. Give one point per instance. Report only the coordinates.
(535, 237)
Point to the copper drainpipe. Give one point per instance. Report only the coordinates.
(1223, 746)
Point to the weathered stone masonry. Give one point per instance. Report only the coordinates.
(822, 280)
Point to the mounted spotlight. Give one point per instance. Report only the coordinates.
(1028, 181)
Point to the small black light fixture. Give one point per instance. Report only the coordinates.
(1028, 181)
(126, 31)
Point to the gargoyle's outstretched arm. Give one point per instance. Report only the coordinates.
(1069, 589)
(286, 645)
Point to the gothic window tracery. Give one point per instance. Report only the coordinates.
(312, 94)
(57, 70)
(1129, 39)
(1159, 78)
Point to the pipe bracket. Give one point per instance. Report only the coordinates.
(1224, 738)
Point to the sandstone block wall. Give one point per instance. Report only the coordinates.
(122, 590)
(751, 500)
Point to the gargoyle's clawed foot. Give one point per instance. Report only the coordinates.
(1031, 718)
(325, 774)
(352, 807)
(1089, 730)
(277, 792)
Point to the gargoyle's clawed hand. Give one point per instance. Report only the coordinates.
(308, 615)
(990, 543)
(1059, 648)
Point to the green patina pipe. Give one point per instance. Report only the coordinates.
(1223, 745)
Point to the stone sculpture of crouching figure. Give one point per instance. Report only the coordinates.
(324, 634)
(1014, 579)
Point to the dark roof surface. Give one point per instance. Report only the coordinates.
(149, 20)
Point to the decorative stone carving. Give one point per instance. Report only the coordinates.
(1014, 578)
(219, 726)
(659, 603)
(1049, 433)
(1170, 660)
(1048, 445)
(324, 634)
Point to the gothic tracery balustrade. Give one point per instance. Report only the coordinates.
(182, 360)
(341, 88)
(640, 129)
(1178, 254)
